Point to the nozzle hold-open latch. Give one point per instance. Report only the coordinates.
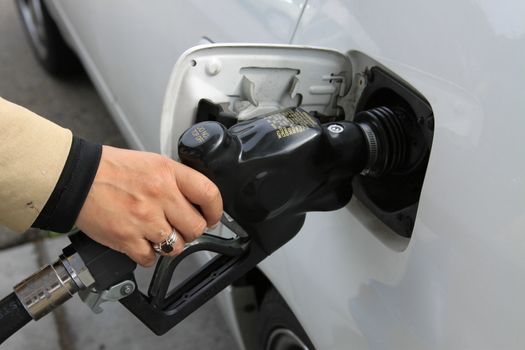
(93, 298)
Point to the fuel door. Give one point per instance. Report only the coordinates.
(249, 80)
(236, 82)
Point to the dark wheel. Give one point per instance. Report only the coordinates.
(46, 41)
(279, 328)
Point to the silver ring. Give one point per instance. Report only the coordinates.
(167, 245)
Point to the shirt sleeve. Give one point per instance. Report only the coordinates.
(63, 206)
(45, 173)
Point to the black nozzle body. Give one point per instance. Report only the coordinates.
(273, 169)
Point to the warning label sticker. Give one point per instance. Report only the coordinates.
(290, 122)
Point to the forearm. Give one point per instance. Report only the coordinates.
(45, 174)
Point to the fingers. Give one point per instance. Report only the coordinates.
(156, 235)
(199, 190)
(183, 216)
(163, 235)
(141, 251)
(149, 195)
(178, 246)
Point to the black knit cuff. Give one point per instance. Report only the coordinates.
(63, 206)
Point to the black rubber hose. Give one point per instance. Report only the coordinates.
(13, 316)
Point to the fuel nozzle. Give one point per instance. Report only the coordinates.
(274, 168)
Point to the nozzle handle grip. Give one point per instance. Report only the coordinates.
(107, 266)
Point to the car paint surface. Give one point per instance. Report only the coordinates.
(458, 283)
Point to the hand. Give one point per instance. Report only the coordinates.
(137, 198)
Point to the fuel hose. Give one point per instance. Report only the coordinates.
(42, 292)
(13, 316)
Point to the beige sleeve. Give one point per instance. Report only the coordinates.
(33, 152)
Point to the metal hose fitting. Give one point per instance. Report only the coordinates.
(54, 284)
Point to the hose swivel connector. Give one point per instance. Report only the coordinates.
(53, 285)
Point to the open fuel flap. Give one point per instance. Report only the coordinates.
(231, 83)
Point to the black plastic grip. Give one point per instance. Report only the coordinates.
(13, 316)
(108, 267)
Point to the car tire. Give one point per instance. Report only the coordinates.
(48, 45)
(279, 329)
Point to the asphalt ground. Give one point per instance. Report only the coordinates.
(74, 104)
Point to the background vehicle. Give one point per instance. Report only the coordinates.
(348, 280)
